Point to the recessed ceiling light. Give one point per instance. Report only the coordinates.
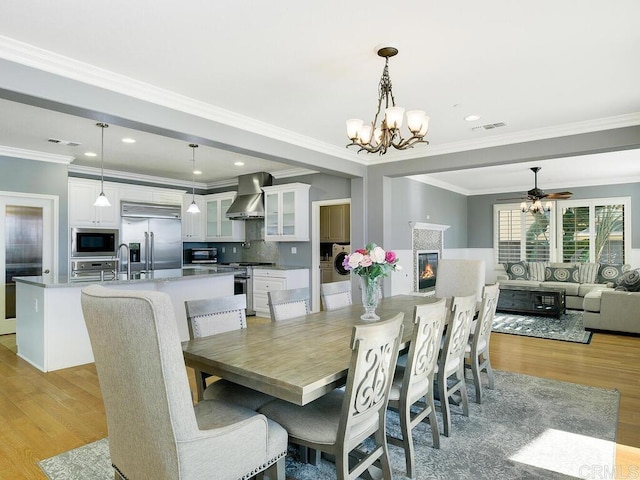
(90, 154)
(197, 172)
(472, 118)
(128, 140)
(238, 164)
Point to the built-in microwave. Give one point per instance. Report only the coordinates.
(94, 242)
(203, 255)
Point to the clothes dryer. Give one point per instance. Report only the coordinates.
(340, 252)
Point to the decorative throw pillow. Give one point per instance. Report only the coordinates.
(561, 274)
(609, 273)
(629, 281)
(588, 272)
(517, 270)
(537, 271)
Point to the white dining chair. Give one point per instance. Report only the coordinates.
(412, 388)
(459, 278)
(336, 294)
(339, 422)
(477, 349)
(211, 316)
(155, 431)
(450, 380)
(286, 304)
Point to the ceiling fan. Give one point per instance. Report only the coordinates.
(536, 194)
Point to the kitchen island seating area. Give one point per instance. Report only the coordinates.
(137, 352)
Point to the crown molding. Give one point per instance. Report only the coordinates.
(425, 178)
(136, 177)
(41, 59)
(35, 155)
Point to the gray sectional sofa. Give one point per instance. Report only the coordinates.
(591, 287)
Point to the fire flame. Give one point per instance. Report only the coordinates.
(427, 272)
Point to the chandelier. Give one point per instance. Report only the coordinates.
(377, 138)
(535, 207)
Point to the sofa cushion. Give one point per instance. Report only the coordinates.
(588, 272)
(585, 288)
(517, 270)
(609, 273)
(592, 301)
(537, 270)
(566, 274)
(570, 288)
(519, 283)
(629, 281)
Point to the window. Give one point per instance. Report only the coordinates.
(595, 230)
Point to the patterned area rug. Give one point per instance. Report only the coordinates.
(568, 327)
(527, 428)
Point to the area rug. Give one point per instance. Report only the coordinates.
(568, 327)
(526, 428)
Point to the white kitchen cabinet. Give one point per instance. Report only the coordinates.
(266, 280)
(82, 195)
(335, 223)
(167, 197)
(287, 212)
(219, 228)
(193, 223)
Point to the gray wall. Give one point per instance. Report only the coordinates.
(44, 178)
(480, 208)
(413, 201)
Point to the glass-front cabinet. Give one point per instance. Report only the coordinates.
(287, 212)
(218, 227)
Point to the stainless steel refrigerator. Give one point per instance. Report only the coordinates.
(153, 234)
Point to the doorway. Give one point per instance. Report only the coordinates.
(316, 274)
(28, 243)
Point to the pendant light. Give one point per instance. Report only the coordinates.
(102, 200)
(193, 208)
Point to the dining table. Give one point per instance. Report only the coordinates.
(297, 360)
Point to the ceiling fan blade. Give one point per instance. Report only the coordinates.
(559, 195)
(513, 198)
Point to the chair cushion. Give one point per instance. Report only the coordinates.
(517, 270)
(315, 422)
(236, 394)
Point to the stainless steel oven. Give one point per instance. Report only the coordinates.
(243, 281)
(94, 242)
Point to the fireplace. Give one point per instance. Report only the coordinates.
(426, 269)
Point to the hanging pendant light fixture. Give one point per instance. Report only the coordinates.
(102, 200)
(193, 208)
(376, 138)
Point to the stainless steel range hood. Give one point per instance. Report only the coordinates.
(250, 202)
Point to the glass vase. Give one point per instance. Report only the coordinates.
(370, 289)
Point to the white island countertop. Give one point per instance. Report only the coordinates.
(64, 281)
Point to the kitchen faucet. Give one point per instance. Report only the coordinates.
(126, 247)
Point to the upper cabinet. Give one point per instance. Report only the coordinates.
(287, 212)
(193, 223)
(82, 213)
(219, 228)
(335, 223)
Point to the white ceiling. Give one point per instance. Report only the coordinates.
(545, 69)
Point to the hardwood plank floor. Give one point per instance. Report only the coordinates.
(46, 414)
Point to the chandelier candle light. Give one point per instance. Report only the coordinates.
(102, 200)
(193, 208)
(376, 138)
(371, 264)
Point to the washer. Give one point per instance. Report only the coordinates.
(339, 253)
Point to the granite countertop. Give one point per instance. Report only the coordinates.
(279, 267)
(64, 281)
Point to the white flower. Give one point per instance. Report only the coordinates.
(378, 255)
(398, 267)
(354, 259)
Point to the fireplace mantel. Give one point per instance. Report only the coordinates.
(428, 226)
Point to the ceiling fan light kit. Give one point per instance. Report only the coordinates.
(378, 138)
(533, 200)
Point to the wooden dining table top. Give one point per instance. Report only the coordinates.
(297, 360)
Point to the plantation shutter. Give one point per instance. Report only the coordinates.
(522, 236)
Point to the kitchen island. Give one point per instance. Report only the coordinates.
(50, 329)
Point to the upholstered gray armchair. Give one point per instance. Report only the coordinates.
(154, 429)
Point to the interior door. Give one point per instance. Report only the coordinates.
(28, 245)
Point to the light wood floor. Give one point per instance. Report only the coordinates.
(42, 415)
